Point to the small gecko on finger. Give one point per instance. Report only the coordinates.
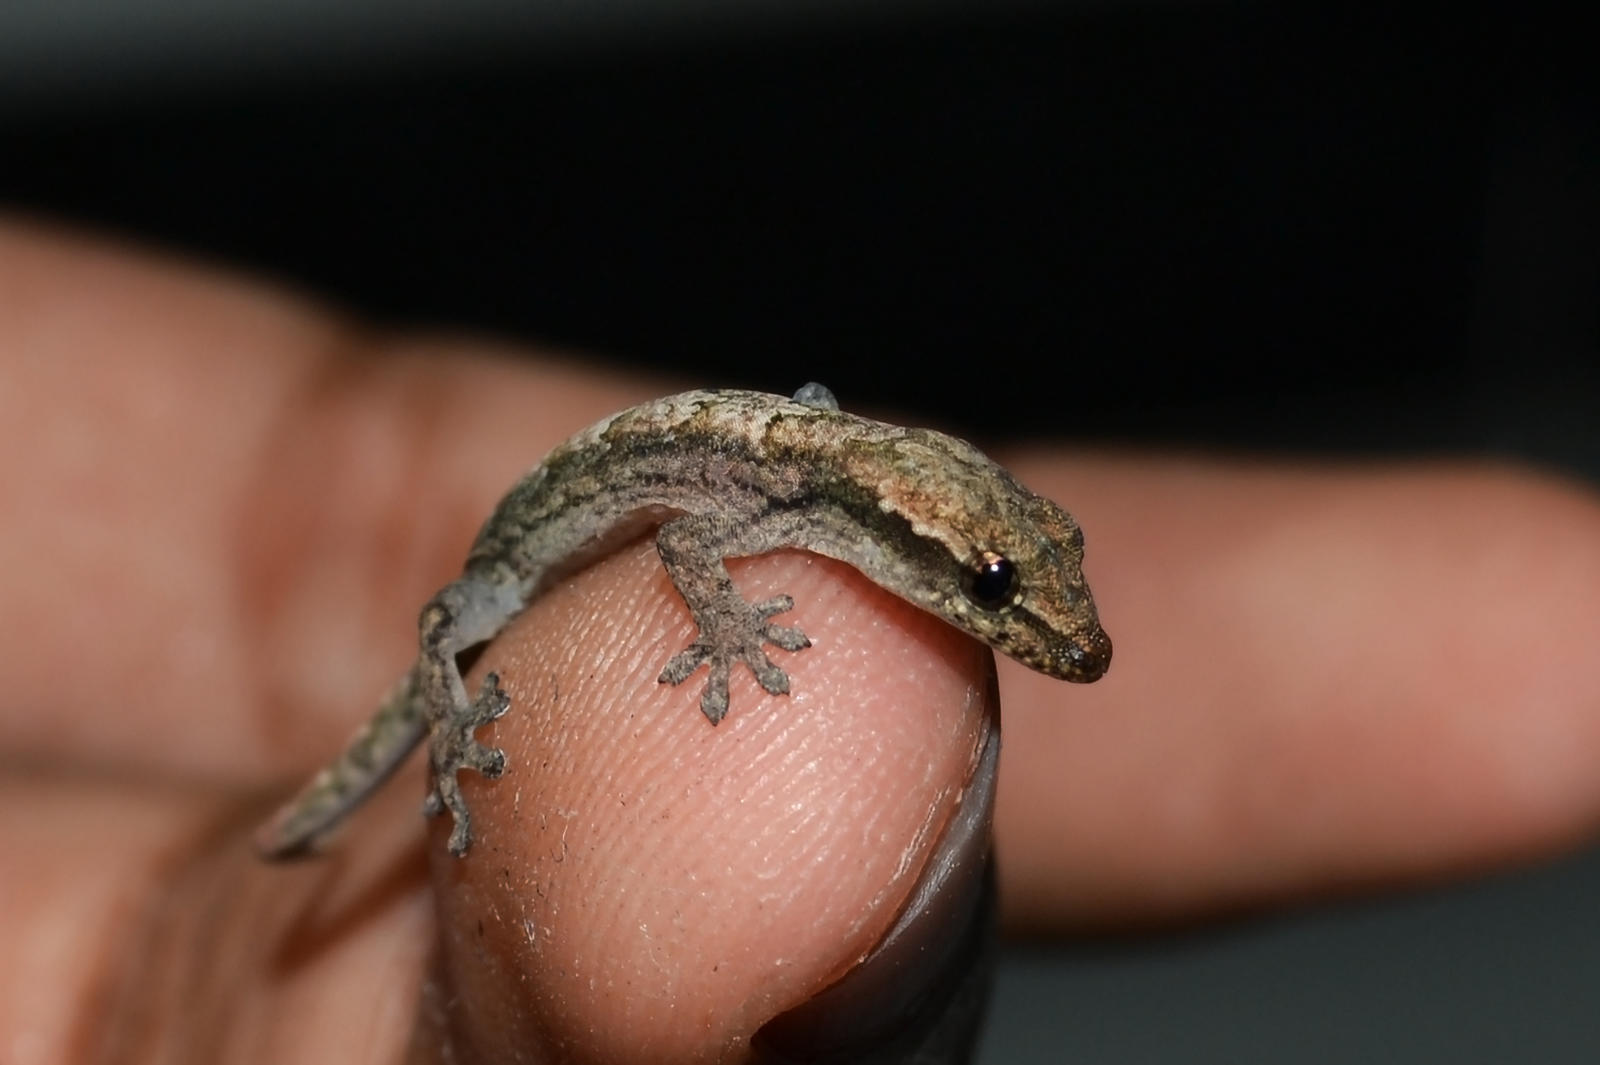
(724, 474)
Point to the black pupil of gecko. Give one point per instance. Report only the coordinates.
(992, 584)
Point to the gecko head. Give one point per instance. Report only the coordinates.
(1009, 563)
(996, 560)
(1022, 591)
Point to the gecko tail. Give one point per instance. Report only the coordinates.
(369, 759)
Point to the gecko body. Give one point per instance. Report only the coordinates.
(725, 474)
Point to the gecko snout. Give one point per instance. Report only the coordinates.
(1089, 656)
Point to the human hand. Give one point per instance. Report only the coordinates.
(222, 510)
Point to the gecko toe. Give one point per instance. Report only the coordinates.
(446, 795)
(774, 680)
(491, 704)
(684, 663)
(714, 699)
(778, 604)
(714, 710)
(489, 761)
(460, 835)
(786, 637)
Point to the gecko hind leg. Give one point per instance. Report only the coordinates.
(453, 748)
(465, 613)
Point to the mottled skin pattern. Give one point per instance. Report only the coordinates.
(726, 474)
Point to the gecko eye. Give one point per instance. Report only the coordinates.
(992, 583)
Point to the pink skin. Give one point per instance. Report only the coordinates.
(222, 508)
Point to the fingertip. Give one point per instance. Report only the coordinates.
(643, 886)
(1329, 678)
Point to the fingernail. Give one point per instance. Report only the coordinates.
(920, 995)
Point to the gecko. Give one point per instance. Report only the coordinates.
(722, 473)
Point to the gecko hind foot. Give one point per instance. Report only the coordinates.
(737, 635)
(453, 748)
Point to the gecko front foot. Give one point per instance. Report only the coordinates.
(736, 634)
(452, 747)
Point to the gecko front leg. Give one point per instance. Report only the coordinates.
(732, 629)
(464, 613)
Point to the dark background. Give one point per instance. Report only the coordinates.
(1270, 226)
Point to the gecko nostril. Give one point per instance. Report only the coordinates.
(1090, 656)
